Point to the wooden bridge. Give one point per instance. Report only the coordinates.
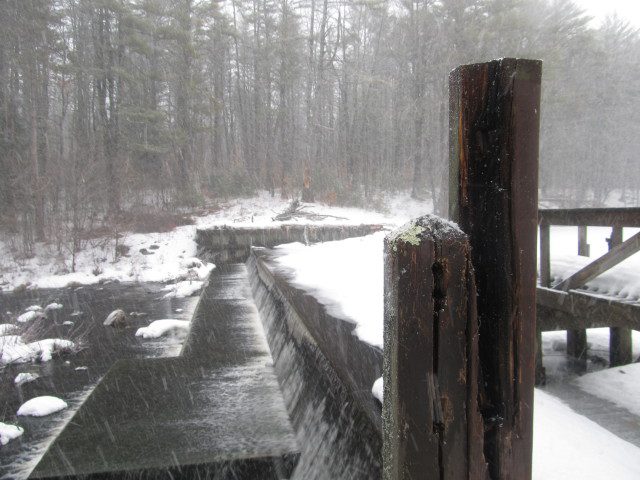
(566, 305)
(460, 317)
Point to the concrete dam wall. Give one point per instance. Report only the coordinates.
(325, 373)
(225, 244)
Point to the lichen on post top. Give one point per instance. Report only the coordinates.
(413, 232)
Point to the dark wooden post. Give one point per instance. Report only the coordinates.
(583, 247)
(494, 129)
(577, 339)
(620, 339)
(432, 426)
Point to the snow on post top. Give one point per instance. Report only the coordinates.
(427, 226)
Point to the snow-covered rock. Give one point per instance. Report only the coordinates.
(30, 316)
(9, 432)
(183, 289)
(117, 318)
(43, 350)
(14, 350)
(33, 308)
(24, 377)
(8, 329)
(159, 328)
(42, 406)
(191, 262)
(53, 306)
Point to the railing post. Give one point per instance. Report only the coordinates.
(494, 133)
(545, 281)
(577, 339)
(583, 247)
(545, 254)
(620, 339)
(432, 426)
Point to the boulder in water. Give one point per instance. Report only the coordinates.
(117, 318)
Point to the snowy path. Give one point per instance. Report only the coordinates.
(608, 415)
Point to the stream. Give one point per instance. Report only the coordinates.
(73, 376)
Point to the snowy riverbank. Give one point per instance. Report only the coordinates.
(169, 256)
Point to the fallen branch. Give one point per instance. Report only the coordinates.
(296, 210)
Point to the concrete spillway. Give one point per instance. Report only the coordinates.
(267, 386)
(326, 375)
(216, 411)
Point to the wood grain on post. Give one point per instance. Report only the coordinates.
(620, 339)
(494, 133)
(432, 426)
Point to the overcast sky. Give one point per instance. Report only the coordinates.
(628, 9)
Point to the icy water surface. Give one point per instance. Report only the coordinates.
(72, 377)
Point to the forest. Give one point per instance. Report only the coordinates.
(109, 107)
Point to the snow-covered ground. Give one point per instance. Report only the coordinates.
(169, 257)
(569, 446)
(14, 350)
(347, 277)
(620, 385)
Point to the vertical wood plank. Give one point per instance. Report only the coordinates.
(620, 339)
(432, 425)
(494, 136)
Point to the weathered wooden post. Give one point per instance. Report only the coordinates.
(620, 339)
(494, 130)
(432, 427)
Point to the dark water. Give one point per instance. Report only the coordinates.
(216, 411)
(73, 376)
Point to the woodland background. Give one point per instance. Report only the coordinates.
(113, 109)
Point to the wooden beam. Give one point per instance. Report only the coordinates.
(609, 260)
(494, 133)
(596, 217)
(579, 310)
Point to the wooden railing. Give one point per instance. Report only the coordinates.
(562, 307)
